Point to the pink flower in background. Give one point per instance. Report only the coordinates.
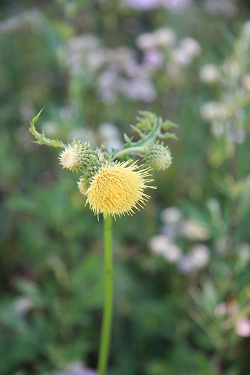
(153, 58)
(242, 327)
(151, 4)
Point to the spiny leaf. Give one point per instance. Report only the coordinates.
(40, 137)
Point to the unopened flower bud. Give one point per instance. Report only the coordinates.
(78, 156)
(83, 185)
(157, 157)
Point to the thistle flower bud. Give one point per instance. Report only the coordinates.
(78, 156)
(83, 185)
(157, 157)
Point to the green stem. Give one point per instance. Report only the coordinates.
(129, 150)
(108, 297)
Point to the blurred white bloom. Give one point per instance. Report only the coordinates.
(50, 128)
(245, 80)
(231, 69)
(84, 42)
(246, 31)
(161, 245)
(209, 73)
(190, 46)
(158, 243)
(171, 215)
(211, 111)
(175, 4)
(27, 110)
(84, 52)
(121, 56)
(108, 130)
(82, 134)
(225, 7)
(188, 49)
(107, 85)
(199, 255)
(181, 57)
(193, 230)
(146, 41)
(164, 37)
(244, 251)
(242, 327)
(143, 4)
(67, 112)
(220, 309)
(78, 369)
(217, 128)
(22, 305)
(110, 135)
(139, 89)
(195, 260)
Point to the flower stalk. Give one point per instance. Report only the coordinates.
(108, 297)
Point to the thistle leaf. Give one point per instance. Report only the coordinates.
(40, 137)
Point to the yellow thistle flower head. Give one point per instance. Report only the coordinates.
(118, 189)
(157, 157)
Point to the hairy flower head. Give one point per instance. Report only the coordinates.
(118, 189)
(78, 156)
(157, 157)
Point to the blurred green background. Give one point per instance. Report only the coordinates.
(182, 280)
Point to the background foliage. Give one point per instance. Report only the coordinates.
(181, 265)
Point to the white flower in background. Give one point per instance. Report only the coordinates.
(78, 369)
(220, 309)
(164, 37)
(212, 111)
(22, 305)
(190, 46)
(83, 42)
(210, 73)
(180, 57)
(82, 134)
(143, 4)
(196, 259)
(146, 41)
(162, 245)
(217, 128)
(107, 85)
(199, 254)
(171, 215)
(175, 4)
(121, 57)
(193, 230)
(225, 7)
(139, 89)
(242, 327)
(231, 69)
(110, 135)
(51, 128)
(244, 251)
(245, 81)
